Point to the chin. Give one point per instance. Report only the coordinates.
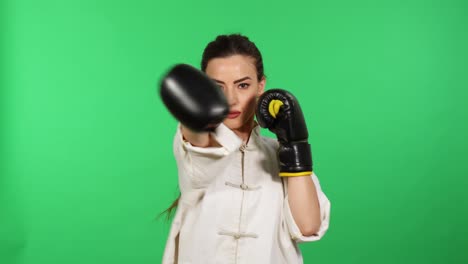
(235, 124)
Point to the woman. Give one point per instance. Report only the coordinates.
(234, 207)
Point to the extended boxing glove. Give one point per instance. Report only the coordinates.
(193, 98)
(279, 111)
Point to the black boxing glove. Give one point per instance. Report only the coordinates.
(193, 98)
(279, 111)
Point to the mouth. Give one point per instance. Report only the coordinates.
(233, 114)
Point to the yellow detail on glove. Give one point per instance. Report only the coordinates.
(293, 174)
(274, 107)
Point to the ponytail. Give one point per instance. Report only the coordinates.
(170, 210)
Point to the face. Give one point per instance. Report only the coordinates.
(237, 77)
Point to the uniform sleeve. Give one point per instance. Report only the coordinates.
(197, 166)
(193, 162)
(324, 215)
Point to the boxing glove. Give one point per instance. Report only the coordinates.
(193, 98)
(279, 111)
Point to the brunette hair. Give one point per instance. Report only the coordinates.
(235, 44)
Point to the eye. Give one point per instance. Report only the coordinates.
(244, 85)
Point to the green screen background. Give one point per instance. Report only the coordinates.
(86, 160)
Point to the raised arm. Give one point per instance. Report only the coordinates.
(196, 101)
(279, 111)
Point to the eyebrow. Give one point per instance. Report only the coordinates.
(236, 81)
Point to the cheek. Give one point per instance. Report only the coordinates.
(249, 103)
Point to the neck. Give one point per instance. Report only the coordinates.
(244, 131)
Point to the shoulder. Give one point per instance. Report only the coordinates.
(270, 143)
(269, 140)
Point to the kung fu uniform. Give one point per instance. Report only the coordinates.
(234, 206)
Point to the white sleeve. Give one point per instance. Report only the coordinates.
(192, 162)
(324, 216)
(197, 166)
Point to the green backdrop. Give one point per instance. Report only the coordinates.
(86, 160)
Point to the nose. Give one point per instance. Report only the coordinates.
(231, 96)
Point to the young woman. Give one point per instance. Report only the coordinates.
(240, 200)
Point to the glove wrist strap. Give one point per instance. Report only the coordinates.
(295, 159)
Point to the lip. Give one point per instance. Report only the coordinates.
(233, 114)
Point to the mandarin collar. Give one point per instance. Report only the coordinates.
(231, 142)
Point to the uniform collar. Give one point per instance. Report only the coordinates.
(229, 140)
(255, 137)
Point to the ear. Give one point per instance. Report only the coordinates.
(261, 86)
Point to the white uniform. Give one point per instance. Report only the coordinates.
(234, 207)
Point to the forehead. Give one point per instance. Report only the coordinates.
(231, 68)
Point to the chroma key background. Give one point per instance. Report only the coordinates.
(86, 158)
